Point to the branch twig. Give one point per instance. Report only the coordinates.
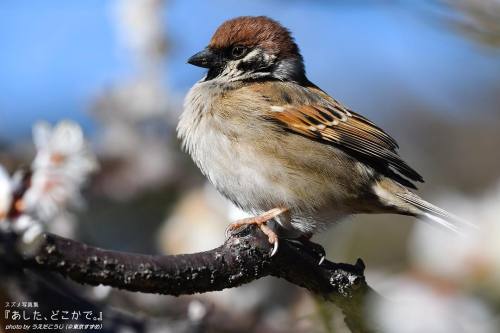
(244, 257)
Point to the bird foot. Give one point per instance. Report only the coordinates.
(260, 221)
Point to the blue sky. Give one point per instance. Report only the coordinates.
(57, 55)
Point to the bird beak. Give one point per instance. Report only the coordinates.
(205, 59)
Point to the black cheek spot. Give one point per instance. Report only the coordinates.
(245, 66)
(256, 64)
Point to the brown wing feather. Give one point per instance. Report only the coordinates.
(326, 120)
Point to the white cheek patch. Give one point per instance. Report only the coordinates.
(259, 53)
(259, 56)
(233, 72)
(252, 54)
(275, 108)
(269, 58)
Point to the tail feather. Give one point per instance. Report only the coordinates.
(430, 212)
(449, 225)
(405, 202)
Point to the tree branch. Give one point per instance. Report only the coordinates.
(244, 257)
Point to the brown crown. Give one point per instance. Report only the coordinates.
(252, 31)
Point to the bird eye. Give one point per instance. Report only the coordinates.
(238, 51)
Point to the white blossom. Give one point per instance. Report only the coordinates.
(410, 306)
(61, 167)
(5, 193)
(472, 259)
(449, 274)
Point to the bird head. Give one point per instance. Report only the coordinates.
(251, 48)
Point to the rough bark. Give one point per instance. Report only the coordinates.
(244, 257)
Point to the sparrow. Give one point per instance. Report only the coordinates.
(282, 149)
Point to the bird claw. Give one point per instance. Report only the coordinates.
(275, 248)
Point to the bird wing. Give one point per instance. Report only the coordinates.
(318, 116)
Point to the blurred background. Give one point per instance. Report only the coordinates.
(428, 72)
